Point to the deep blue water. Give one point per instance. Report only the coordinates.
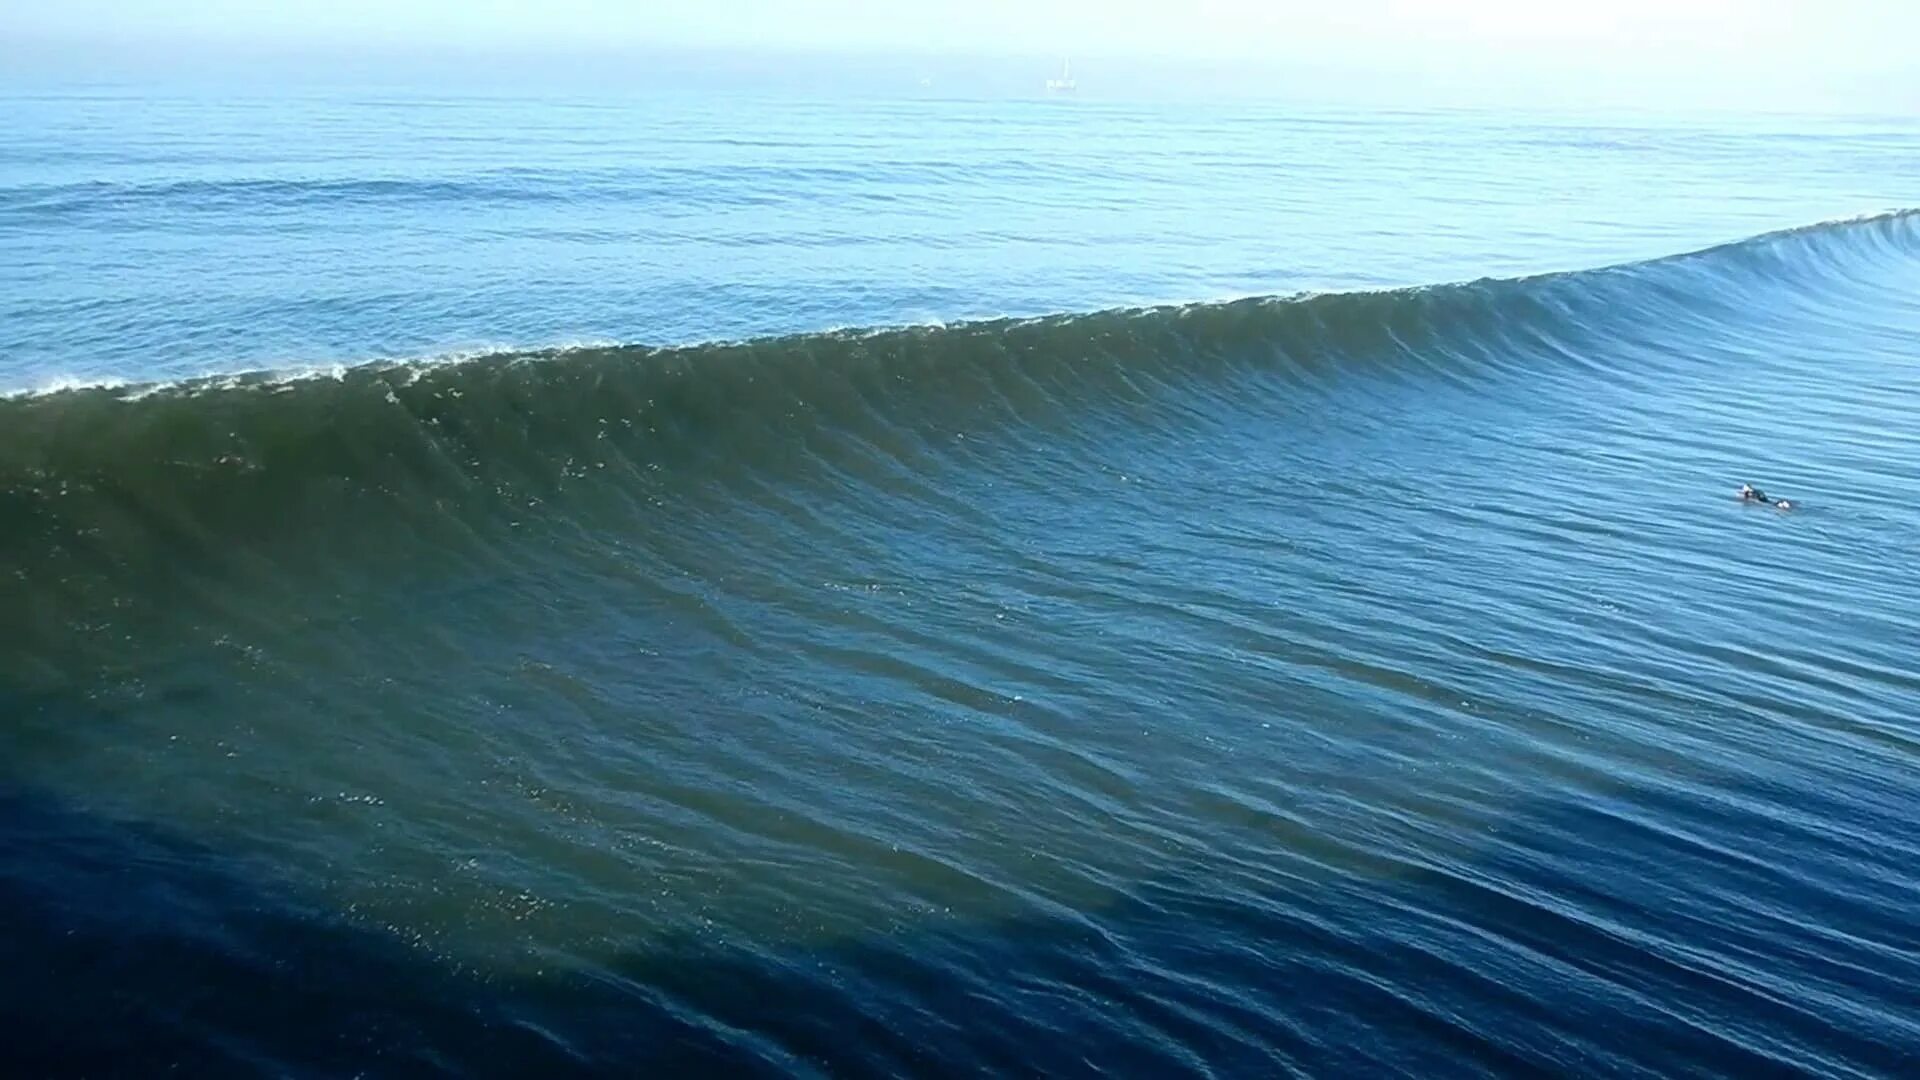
(558, 585)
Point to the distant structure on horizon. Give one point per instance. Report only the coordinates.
(1064, 84)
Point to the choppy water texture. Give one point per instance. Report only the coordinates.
(1377, 680)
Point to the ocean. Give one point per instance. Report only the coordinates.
(898, 585)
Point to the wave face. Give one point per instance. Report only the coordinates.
(1338, 683)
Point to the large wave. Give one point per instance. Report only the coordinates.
(393, 462)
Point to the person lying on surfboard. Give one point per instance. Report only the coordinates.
(1749, 493)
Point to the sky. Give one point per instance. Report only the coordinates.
(1854, 55)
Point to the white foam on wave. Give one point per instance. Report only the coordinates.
(60, 384)
(277, 378)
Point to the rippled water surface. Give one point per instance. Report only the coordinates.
(433, 640)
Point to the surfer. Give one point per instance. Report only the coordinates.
(1749, 493)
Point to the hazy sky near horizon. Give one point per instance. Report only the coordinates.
(1855, 54)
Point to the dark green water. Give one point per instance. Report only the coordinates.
(1361, 683)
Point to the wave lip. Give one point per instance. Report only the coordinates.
(1821, 254)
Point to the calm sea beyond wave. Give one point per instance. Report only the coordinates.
(715, 585)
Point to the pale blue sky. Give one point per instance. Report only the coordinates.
(1855, 54)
